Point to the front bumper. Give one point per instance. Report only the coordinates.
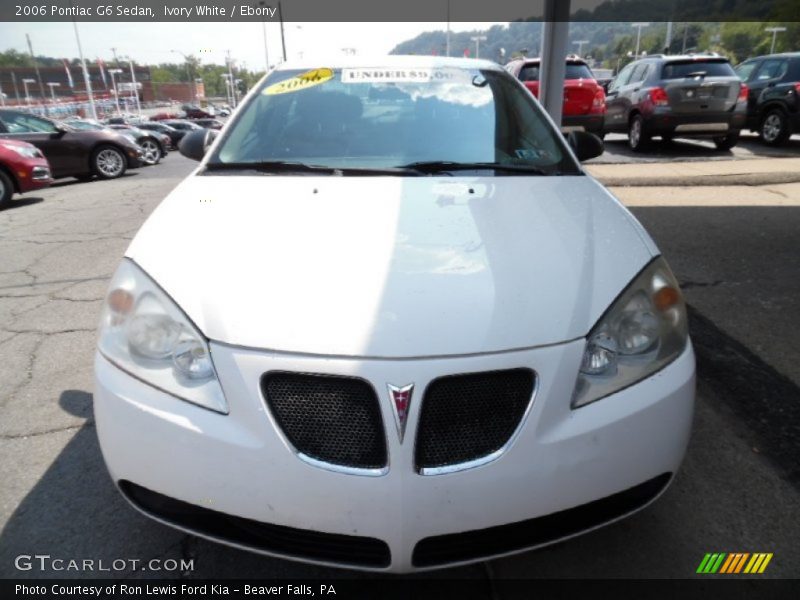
(135, 157)
(239, 465)
(34, 176)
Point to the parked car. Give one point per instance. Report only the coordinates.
(174, 135)
(182, 125)
(209, 123)
(695, 96)
(400, 331)
(161, 116)
(773, 100)
(71, 152)
(154, 145)
(195, 112)
(23, 168)
(584, 98)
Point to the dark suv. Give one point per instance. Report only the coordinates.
(773, 102)
(698, 96)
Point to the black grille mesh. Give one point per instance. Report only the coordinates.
(465, 417)
(333, 419)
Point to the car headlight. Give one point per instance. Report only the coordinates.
(26, 151)
(642, 331)
(143, 332)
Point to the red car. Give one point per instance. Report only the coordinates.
(584, 98)
(23, 168)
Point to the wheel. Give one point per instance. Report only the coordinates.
(638, 139)
(774, 128)
(151, 152)
(726, 142)
(6, 189)
(108, 162)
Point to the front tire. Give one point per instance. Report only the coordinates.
(151, 152)
(6, 190)
(638, 139)
(774, 128)
(726, 142)
(108, 162)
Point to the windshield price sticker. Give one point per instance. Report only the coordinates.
(378, 75)
(300, 82)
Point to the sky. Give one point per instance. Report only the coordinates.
(154, 42)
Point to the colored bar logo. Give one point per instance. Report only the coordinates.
(734, 563)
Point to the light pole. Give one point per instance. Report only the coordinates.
(134, 88)
(87, 80)
(114, 87)
(639, 27)
(774, 31)
(448, 29)
(53, 85)
(25, 83)
(193, 91)
(478, 39)
(580, 45)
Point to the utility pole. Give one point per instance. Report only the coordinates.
(85, 73)
(38, 75)
(231, 80)
(2, 96)
(135, 89)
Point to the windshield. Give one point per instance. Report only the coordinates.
(364, 118)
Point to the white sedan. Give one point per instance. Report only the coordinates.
(390, 323)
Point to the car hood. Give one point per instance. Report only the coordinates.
(392, 266)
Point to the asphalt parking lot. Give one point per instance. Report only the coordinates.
(738, 491)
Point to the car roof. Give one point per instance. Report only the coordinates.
(389, 61)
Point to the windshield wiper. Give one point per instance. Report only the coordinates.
(439, 166)
(283, 166)
(271, 166)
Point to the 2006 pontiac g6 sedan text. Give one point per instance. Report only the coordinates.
(389, 323)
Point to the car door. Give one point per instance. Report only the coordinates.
(617, 103)
(765, 84)
(62, 153)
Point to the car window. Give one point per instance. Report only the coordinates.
(772, 69)
(745, 69)
(22, 123)
(638, 73)
(529, 73)
(382, 118)
(578, 71)
(622, 78)
(691, 68)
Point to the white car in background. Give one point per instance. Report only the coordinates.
(390, 323)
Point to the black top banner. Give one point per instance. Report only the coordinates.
(398, 11)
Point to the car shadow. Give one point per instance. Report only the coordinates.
(68, 181)
(22, 202)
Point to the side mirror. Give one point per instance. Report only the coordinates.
(585, 145)
(195, 143)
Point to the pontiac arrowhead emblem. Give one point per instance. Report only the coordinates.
(401, 402)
